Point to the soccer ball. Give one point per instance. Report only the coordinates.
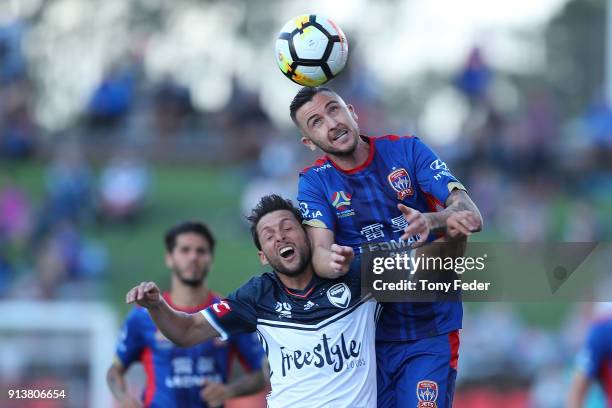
(311, 50)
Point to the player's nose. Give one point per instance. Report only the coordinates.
(281, 236)
(332, 123)
(193, 255)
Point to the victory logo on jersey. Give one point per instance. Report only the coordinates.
(339, 295)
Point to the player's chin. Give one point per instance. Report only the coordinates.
(290, 263)
(290, 267)
(192, 278)
(346, 144)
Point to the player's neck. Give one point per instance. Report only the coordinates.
(354, 160)
(188, 296)
(298, 282)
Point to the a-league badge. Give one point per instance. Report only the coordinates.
(427, 394)
(400, 181)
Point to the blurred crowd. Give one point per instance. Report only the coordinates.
(536, 171)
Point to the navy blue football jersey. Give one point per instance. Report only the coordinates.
(175, 375)
(319, 341)
(360, 206)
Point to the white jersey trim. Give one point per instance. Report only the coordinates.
(222, 333)
(321, 324)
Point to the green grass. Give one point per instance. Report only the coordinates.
(136, 250)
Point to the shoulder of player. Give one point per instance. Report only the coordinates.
(320, 164)
(257, 286)
(392, 139)
(137, 315)
(602, 327)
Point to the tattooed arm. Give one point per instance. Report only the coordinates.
(466, 218)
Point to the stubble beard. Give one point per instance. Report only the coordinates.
(192, 283)
(304, 255)
(332, 151)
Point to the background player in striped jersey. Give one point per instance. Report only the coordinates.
(185, 377)
(370, 191)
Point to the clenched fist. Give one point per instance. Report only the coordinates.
(147, 295)
(341, 258)
(462, 224)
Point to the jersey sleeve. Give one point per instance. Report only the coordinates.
(591, 356)
(249, 350)
(433, 175)
(235, 314)
(131, 341)
(315, 208)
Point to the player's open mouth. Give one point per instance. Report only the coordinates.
(286, 252)
(340, 134)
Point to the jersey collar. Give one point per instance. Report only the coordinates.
(302, 294)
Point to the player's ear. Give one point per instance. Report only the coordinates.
(169, 263)
(351, 109)
(262, 258)
(308, 143)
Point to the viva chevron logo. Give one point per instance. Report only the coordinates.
(339, 295)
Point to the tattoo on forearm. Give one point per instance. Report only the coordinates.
(457, 201)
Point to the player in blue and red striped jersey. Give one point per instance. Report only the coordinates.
(185, 376)
(384, 192)
(595, 360)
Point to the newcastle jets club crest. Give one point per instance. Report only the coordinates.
(427, 394)
(400, 181)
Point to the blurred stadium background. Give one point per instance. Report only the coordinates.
(121, 117)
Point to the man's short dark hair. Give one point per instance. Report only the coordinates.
(195, 227)
(304, 96)
(266, 205)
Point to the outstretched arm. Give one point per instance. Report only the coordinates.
(181, 328)
(329, 260)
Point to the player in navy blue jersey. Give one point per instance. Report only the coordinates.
(185, 376)
(384, 192)
(318, 334)
(595, 360)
